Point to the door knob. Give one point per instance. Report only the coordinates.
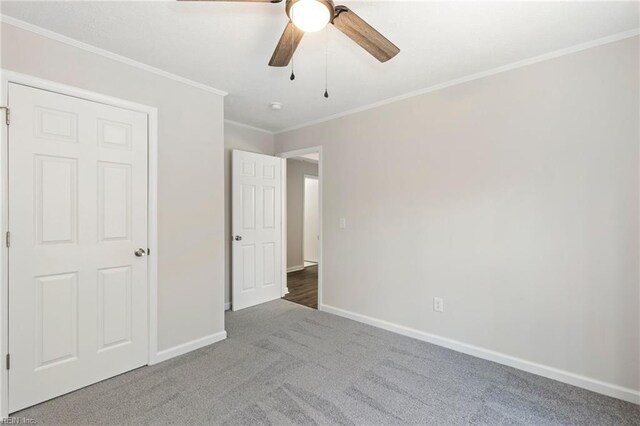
(238, 238)
(140, 252)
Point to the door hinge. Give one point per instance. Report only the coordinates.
(8, 239)
(7, 116)
(8, 361)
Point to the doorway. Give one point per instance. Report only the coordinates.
(268, 228)
(302, 204)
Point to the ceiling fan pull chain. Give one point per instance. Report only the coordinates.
(293, 76)
(326, 62)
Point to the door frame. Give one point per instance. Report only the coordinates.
(7, 77)
(290, 154)
(304, 204)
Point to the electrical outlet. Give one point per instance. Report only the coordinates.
(438, 304)
(343, 223)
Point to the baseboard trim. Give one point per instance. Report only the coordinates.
(295, 268)
(594, 385)
(189, 346)
(227, 306)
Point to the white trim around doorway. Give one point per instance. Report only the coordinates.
(7, 77)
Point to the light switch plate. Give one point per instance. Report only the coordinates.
(438, 304)
(343, 223)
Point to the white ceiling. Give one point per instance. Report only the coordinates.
(228, 46)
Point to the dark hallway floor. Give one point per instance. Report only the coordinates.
(303, 287)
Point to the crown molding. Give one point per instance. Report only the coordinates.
(247, 126)
(107, 54)
(540, 58)
(530, 61)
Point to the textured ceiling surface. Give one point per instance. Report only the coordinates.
(228, 46)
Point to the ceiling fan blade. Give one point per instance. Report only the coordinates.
(241, 1)
(288, 43)
(364, 34)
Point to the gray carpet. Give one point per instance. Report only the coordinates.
(287, 364)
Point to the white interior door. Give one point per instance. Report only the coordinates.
(77, 213)
(256, 221)
(311, 220)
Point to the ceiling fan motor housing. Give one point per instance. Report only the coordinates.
(327, 3)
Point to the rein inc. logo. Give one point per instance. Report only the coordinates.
(17, 421)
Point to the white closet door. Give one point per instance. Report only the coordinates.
(77, 213)
(256, 227)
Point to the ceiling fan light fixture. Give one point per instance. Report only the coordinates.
(310, 15)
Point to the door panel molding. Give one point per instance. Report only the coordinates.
(111, 134)
(256, 213)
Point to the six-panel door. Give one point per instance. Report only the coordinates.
(77, 213)
(256, 228)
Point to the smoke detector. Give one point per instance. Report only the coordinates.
(276, 106)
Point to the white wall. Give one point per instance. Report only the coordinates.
(514, 197)
(244, 139)
(311, 220)
(190, 174)
(296, 169)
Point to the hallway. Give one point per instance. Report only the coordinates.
(303, 287)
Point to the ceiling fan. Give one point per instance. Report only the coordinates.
(314, 15)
